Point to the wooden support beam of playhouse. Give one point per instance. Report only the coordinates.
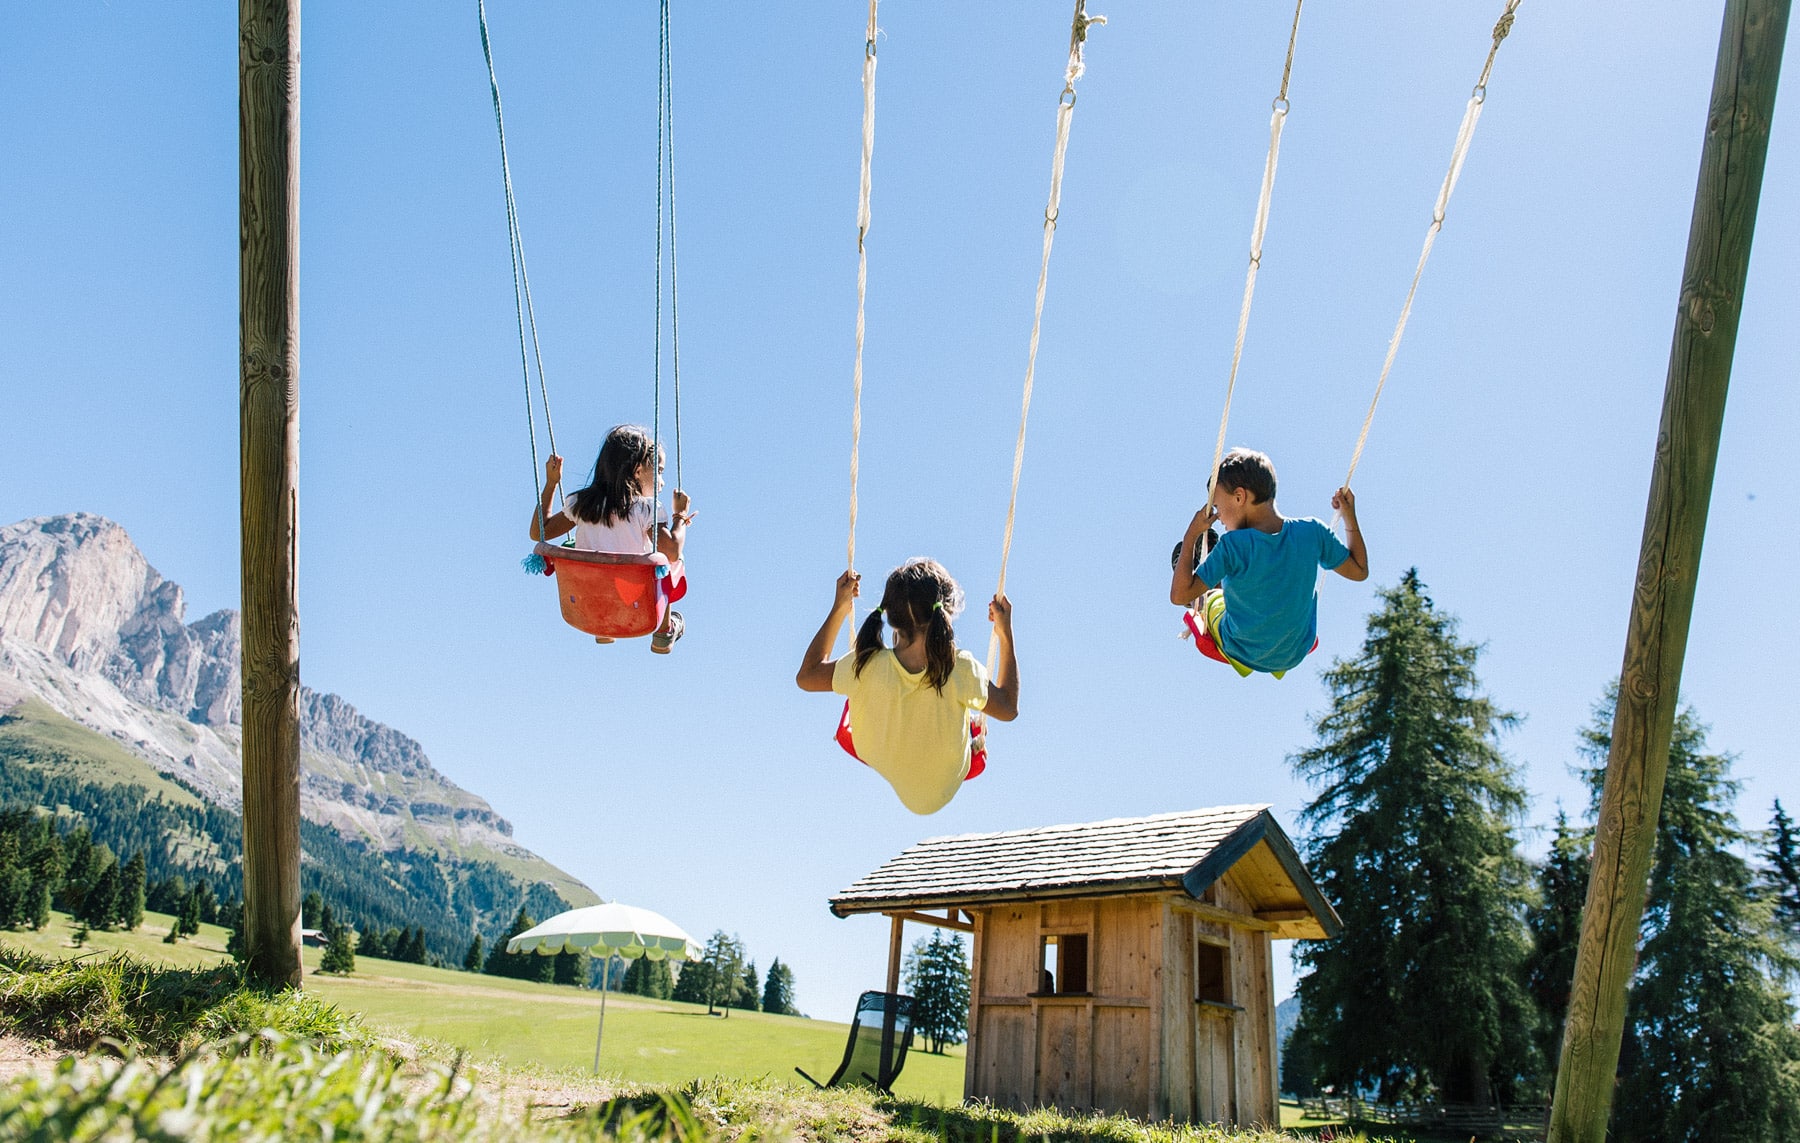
(895, 938)
(1687, 448)
(268, 473)
(1220, 916)
(948, 921)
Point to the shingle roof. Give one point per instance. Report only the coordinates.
(1116, 856)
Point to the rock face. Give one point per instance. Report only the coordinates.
(88, 626)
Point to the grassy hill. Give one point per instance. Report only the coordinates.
(33, 734)
(547, 1026)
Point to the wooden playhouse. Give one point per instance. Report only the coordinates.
(1119, 966)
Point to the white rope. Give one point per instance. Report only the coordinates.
(1065, 114)
(862, 277)
(1465, 134)
(1277, 118)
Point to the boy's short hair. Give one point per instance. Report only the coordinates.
(1250, 470)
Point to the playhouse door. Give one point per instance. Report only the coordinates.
(1214, 1065)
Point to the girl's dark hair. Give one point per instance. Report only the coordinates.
(613, 486)
(920, 596)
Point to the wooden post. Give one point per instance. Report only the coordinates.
(895, 937)
(1687, 446)
(269, 437)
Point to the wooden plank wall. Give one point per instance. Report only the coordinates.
(1252, 989)
(1076, 1052)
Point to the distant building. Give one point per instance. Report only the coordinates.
(313, 937)
(1119, 966)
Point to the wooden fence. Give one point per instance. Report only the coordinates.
(1516, 1121)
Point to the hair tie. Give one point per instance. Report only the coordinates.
(938, 606)
(877, 611)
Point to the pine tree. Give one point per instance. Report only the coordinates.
(520, 966)
(695, 984)
(372, 941)
(1421, 994)
(1555, 922)
(1781, 879)
(937, 974)
(648, 977)
(340, 954)
(100, 904)
(472, 958)
(1710, 1050)
(748, 996)
(568, 967)
(778, 990)
(131, 893)
(309, 909)
(190, 914)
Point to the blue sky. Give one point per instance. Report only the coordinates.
(1509, 461)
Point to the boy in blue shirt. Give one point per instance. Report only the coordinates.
(1256, 586)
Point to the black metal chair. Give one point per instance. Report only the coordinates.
(880, 1034)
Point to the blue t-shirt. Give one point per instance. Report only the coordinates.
(1271, 590)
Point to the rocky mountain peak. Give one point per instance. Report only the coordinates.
(77, 588)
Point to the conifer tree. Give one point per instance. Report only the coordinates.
(340, 955)
(778, 990)
(130, 910)
(937, 974)
(695, 983)
(1710, 1050)
(1781, 878)
(748, 997)
(1421, 995)
(472, 958)
(100, 904)
(1555, 922)
(190, 915)
(568, 967)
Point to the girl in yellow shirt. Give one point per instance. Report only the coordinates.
(911, 704)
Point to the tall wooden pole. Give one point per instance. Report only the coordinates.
(1681, 478)
(269, 448)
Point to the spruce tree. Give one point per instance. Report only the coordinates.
(340, 954)
(695, 983)
(568, 967)
(778, 990)
(472, 958)
(1781, 878)
(131, 892)
(748, 996)
(937, 974)
(1710, 1050)
(190, 915)
(1421, 995)
(100, 904)
(1555, 922)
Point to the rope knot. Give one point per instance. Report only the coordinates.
(1503, 26)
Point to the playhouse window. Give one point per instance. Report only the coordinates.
(1063, 964)
(1212, 973)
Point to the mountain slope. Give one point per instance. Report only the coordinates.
(96, 635)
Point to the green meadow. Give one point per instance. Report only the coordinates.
(542, 1026)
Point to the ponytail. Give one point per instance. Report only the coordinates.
(868, 640)
(920, 599)
(940, 647)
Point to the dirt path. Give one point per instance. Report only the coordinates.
(20, 1057)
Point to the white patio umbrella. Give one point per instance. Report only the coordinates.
(610, 930)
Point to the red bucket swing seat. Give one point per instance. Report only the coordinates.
(613, 595)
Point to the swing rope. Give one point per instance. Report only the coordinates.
(1277, 118)
(667, 69)
(527, 316)
(1464, 135)
(664, 195)
(1065, 114)
(862, 277)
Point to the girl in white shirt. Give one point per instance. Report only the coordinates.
(617, 511)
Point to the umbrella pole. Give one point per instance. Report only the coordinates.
(605, 972)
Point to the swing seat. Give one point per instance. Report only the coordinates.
(977, 735)
(1208, 646)
(613, 595)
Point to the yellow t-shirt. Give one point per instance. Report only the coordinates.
(909, 732)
